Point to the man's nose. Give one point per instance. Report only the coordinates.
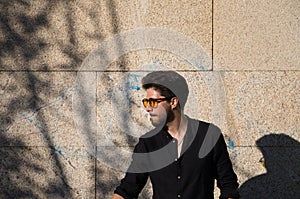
(148, 107)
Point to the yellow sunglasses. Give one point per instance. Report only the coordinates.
(153, 102)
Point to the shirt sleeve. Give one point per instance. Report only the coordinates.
(226, 177)
(133, 183)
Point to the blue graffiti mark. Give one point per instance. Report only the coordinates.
(26, 117)
(133, 82)
(65, 153)
(57, 151)
(41, 126)
(110, 92)
(234, 154)
(66, 95)
(132, 87)
(238, 110)
(251, 121)
(248, 125)
(230, 144)
(200, 67)
(155, 61)
(231, 147)
(37, 124)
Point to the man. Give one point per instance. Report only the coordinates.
(181, 156)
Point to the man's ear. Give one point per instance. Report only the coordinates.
(174, 103)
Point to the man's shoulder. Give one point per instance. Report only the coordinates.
(203, 126)
(199, 124)
(151, 133)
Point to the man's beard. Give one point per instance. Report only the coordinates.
(162, 123)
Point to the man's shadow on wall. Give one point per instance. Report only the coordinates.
(281, 155)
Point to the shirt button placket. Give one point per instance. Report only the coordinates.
(178, 178)
(178, 166)
(174, 142)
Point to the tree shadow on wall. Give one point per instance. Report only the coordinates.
(23, 173)
(22, 169)
(22, 41)
(10, 168)
(281, 157)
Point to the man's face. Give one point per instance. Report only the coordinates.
(161, 114)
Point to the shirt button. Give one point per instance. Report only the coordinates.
(178, 177)
(174, 141)
(176, 159)
(178, 195)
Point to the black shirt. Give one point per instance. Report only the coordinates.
(191, 176)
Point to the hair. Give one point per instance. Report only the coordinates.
(169, 84)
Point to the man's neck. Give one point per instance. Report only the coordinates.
(177, 128)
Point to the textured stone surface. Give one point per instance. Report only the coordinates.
(53, 144)
(261, 103)
(39, 172)
(36, 109)
(48, 35)
(256, 35)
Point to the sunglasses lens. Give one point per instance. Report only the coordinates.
(145, 102)
(153, 103)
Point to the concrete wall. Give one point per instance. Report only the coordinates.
(70, 108)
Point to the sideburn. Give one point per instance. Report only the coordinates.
(170, 116)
